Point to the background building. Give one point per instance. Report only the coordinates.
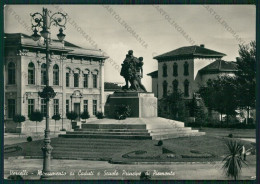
(186, 69)
(179, 69)
(76, 75)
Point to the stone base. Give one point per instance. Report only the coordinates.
(142, 104)
(155, 128)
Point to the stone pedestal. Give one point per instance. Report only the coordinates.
(142, 104)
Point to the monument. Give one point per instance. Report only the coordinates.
(140, 120)
(142, 103)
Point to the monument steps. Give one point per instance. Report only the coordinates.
(112, 130)
(172, 132)
(169, 129)
(155, 128)
(106, 136)
(110, 133)
(172, 136)
(107, 125)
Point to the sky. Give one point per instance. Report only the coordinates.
(160, 29)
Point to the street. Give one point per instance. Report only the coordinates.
(102, 170)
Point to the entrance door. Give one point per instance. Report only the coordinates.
(77, 110)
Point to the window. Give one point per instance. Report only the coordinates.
(175, 70)
(94, 81)
(67, 79)
(56, 106)
(55, 75)
(164, 70)
(67, 106)
(165, 88)
(11, 108)
(85, 107)
(186, 68)
(186, 88)
(94, 107)
(76, 80)
(175, 86)
(11, 73)
(30, 106)
(43, 107)
(31, 73)
(43, 74)
(85, 84)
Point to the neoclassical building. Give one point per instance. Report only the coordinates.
(75, 73)
(187, 68)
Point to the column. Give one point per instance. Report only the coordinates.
(101, 85)
(63, 84)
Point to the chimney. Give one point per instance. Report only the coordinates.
(202, 45)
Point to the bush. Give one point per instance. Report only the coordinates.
(160, 143)
(194, 125)
(210, 125)
(84, 115)
(242, 126)
(29, 139)
(217, 125)
(230, 135)
(72, 115)
(122, 112)
(63, 129)
(100, 115)
(36, 116)
(56, 117)
(18, 118)
(223, 125)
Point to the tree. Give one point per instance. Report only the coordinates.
(72, 115)
(233, 161)
(56, 117)
(19, 119)
(176, 105)
(198, 110)
(36, 116)
(220, 95)
(207, 94)
(84, 115)
(246, 77)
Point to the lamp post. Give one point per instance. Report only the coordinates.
(44, 22)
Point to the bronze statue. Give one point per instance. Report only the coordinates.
(132, 71)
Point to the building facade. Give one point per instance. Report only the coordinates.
(76, 75)
(180, 70)
(186, 69)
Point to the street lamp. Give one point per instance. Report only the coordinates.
(44, 21)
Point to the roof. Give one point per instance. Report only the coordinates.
(219, 66)
(71, 49)
(153, 74)
(190, 51)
